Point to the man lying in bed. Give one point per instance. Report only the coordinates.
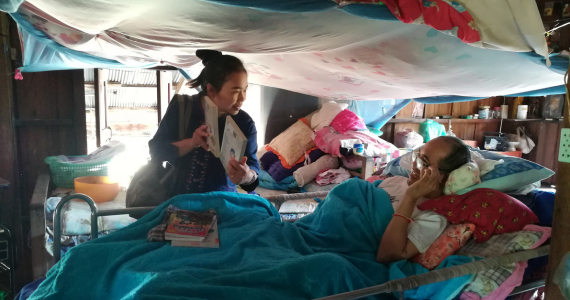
(412, 231)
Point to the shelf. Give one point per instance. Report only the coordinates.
(531, 120)
(444, 121)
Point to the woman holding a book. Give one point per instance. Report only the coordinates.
(223, 81)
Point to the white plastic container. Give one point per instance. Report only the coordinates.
(504, 111)
(522, 112)
(484, 112)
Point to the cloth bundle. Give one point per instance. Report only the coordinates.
(330, 176)
(271, 163)
(308, 173)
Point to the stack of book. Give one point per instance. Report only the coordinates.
(193, 229)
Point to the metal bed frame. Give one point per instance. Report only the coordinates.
(398, 285)
(95, 213)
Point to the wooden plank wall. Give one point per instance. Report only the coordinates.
(43, 99)
(465, 131)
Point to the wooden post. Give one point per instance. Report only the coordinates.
(79, 117)
(101, 105)
(41, 261)
(560, 240)
(8, 167)
(163, 91)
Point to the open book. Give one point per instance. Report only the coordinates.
(233, 144)
(211, 119)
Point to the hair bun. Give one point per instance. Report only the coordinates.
(208, 55)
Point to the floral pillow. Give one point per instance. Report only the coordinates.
(451, 240)
(499, 283)
(491, 211)
(464, 177)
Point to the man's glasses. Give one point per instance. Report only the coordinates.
(419, 162)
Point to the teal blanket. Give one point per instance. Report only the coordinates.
(330, 251)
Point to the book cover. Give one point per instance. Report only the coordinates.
(190, 224)
(211, 241)
(233, 143)
(211, 119)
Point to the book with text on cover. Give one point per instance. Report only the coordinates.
(211, 119)
(189, 225)
(212, 240)
(233, 144)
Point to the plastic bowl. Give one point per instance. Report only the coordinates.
(99, 188)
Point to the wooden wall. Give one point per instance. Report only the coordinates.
(49, 119)
(281, 109)
(463, 129)
(545, 134)
(42, 115)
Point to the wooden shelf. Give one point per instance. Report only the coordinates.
(444, 121)
(531, 120)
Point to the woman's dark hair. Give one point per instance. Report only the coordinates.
(217, 69)
(457, 157)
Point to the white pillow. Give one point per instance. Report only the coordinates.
(464, 177)
(485, 165)
(326, 114)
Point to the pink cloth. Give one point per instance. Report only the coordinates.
(346, 121)
(516, 277)
(329, 142)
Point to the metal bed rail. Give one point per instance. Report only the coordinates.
(95, 213)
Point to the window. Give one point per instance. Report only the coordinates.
(132, 114)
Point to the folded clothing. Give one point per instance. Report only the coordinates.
(329, 176)
(266, 181)
(308, 173)
(330, 142)
(272, 164)
(346, 121)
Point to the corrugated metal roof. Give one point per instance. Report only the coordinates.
(131, 76)
(126, 97)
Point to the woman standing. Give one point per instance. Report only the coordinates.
(224, 81)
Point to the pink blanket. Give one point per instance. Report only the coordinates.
(329, 142)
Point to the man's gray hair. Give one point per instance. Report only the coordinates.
(458, 155)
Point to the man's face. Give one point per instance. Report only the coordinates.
(431, 153)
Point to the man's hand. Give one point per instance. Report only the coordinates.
(428, 183)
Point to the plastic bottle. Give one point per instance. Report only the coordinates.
(358, 149)
(484, 112)
(496, 112)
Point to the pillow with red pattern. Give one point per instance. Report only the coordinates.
(491, 211)
(452, 239)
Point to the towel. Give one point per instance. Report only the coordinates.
(308, 173)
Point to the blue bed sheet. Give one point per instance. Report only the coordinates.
(330, 251)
